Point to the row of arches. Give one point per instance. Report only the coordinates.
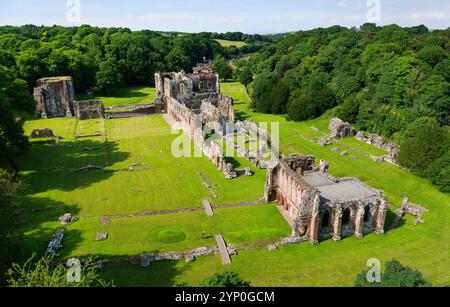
(346, 217)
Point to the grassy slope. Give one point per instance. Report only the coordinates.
(125, 96)
(424, 247)
(227, 43)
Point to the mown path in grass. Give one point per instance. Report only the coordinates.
(424, 247)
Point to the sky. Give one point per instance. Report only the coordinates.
(249, 16)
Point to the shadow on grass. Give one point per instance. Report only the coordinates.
(60, 167)
(233, 161)
(38, 222)
(159, 274)
(241, 116)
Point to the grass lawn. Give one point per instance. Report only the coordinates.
(125, 96)
(182, 231)
(159, 181)
(227, 43)
(424, 247)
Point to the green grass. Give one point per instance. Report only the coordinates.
(424, 247)
(162, 182)
(240, 226)
(158, 182)
(227, 43)
(125, 96)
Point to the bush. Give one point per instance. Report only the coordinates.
(439, 172)
(348, 111)
(226, 280)
(299, 107)
(424, 142)
(395, 275)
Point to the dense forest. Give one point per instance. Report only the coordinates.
(389, 80)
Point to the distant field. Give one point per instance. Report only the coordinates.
(125, 96)
(227, 43)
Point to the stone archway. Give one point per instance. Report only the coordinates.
(273, 195)
(346, 218)
(325, 221)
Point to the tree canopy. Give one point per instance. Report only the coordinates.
(394, 275)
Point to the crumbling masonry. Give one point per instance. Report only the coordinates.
(319, 206)
(54, 97)
(194, 101)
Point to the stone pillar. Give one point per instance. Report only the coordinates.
(359, 222)
(337, 225)
(315, 222)
(381, 218)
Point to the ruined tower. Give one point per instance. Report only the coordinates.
(54, 97)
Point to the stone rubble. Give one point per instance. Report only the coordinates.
(340, 129)
(67, 219)
(101, 236)
(42, 133)
(55, 243)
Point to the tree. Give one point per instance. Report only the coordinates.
(12, 139)
(424, 142)
(280, 98)
(223, 69)
(299, 107)
(262, 90)
(227, 280)
(348, 111)
(47, 273)
(439, 172)
(245, 76)
(108, 76)
(9, 200)
(395, 275)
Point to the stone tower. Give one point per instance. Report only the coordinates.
(54, 97)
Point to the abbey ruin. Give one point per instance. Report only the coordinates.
(54, 97)
(194, 101)
(317, 205)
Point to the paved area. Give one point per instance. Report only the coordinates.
(223, 249)
(208, 208)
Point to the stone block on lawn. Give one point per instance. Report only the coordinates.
(101, 236)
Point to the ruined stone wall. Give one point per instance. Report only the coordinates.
(54, 97)
(314, 216)
(362, 218)
(89, 109)
(180, 113)
(226, 108)
(290, 190)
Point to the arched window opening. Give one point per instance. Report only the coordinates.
(367, 215)
(346, 217)
(326, 220)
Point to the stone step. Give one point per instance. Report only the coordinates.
(224, 255)
(208, 208)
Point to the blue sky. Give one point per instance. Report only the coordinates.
(250, 16)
